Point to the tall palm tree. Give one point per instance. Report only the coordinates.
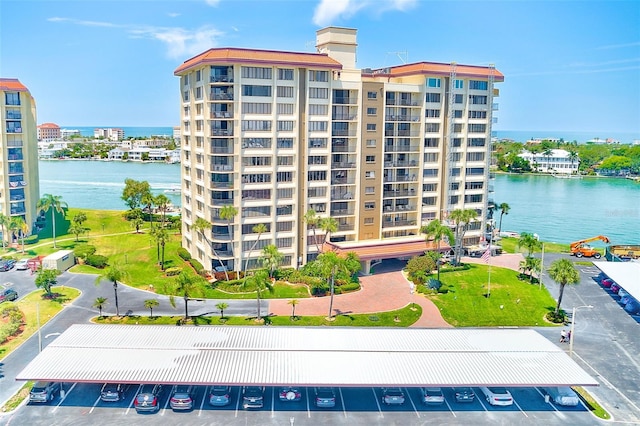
(4, 226)
(113, 273)
(461, 218)
(149, 200)
(330, 264)
(19, 225)
(228, 213)
(530, 242)
(329, 225)
(55, 204)
(161, 235)
(99, 303)
(150, 304)
(201, 225)
(548, 153)
(186, 286)
(259, 229)
(311, 219)
(222, 306)
(573, 157)
(563, 272)
(261, 282)
(504, 209)
(532, 264)
(163, 202)
(271, 258)
(293, 303)
(437, 231)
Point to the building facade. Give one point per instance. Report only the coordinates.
(48, 132)
(19, 180)
(111, 133)
(554, 161)
(277, 134)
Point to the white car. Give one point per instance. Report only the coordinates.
(22, 264)
(497, 396)
(563, 395)
(432, 395)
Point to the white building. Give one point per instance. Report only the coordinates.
(558, 161)
(113, 134)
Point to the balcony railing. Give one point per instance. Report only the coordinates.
(399, 208)
(401, 178)
(222, 185)
(343, 181)
(222, 114)
(341, 196)
(407, 118)
(342, 212)
(403, 102)
(222, 149)
(395, 223)
(342, 100)
(220, 79)
(401, 148)
(223, 167)
(221, 96)
(221, 202)
(346, 227)
(15, 130)
(343, 132)
(222, 132)
(343, 165)
(399, 193)
(412, 163)
(346, 117)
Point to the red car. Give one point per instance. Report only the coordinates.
(615, 288)
(606, 282)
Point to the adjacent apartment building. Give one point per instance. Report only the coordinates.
(19, 181)
(383, 151)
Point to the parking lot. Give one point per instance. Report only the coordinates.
(82, 404)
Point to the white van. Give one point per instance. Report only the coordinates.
(563, 396)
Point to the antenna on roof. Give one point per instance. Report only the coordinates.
(403, 56)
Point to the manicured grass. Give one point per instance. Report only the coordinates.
(463, 303)
(29, 306)
(593, 406)
(510, 245)
(17, 399)
(399, 318)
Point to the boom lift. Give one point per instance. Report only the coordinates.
(581, 248)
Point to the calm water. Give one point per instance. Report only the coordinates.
(559, 210)
(566, 210)
(99, 184)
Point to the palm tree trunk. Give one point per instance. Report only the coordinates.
(331, 289)
(186, 307)
(115, 291)
(162, 267)
(315, 240)
(258, 298)
(53, 221)
(500, 227)
(560, 298)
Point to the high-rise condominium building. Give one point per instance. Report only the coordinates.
(277, 134)
(19, 181)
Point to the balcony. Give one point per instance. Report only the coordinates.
(342, 212)
(401, 102)
(343, 100)
(409, 133)
(221, 96)
(221, 202)
(222, 167)
(399, 193)
(221, 236)
(401, 178)
(399, 208)
(222, 149)
(412, 163)
(346, 227)
(343, 165)
(15, 130)
(335, 196)
(405, 118)
(341, 132)
(221, 79)
(221, 114)
(221, 185)
(222, 132)
(397, 223)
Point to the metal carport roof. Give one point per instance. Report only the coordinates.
(625, 274)
(306, 356)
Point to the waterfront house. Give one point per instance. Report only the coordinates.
(559, 161)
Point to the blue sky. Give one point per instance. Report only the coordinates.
(568, 65)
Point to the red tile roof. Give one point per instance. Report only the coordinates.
(49, 126)
(12, 84)
(229, 55)
(435, 68)
(385, 250)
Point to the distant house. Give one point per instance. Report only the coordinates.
(558, 162)
(48, 132)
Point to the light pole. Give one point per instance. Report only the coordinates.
(573, 324)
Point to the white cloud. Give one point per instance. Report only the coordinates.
(84, 23)
(173, 14)
(181, 43)
(212, 2)
(329, 11)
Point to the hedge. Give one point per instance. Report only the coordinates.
(97, 261)
(184, 254)
(197, 266)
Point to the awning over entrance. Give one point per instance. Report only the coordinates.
(385, 249)
(305, 356)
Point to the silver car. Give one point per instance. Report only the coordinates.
(392, 396)
(325, 398)
(112, 392)
(252, 397)
(43, 392)
(182, 398)
(147, 399)
(432, 395)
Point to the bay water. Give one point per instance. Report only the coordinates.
(558, 210)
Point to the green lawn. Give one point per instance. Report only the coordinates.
(463, 301)
(510, 245)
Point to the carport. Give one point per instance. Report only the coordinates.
(625, 274)
(305, 356)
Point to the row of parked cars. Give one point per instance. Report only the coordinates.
(183, 396)
(630, 304)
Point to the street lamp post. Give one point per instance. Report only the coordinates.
(573, 324)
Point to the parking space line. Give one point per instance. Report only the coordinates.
(480, 401)
(375, 398)
(95, 404)
(66, 393)
(164, 409)
(412, 404)
(519, 407)
(542, 395)
(273, 402)
(449, 406)
(308, 404)
(344, 410)
(206, 391)
(238, 401)
(133, 399)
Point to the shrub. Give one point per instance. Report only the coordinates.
(171, 272)
(97, 261)
(346, 288)
(556, 318)
(12, 325)
(434, 284)
(184, 254)
(197, 266)
(419, 267)
(31, 239)
(319, 289)
(83, 251)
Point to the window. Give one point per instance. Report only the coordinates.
(315, 109)
(371, 127)
(457, 113)
(316, 175)
(255, 161)
(430, 173)
(284, 226)
(318, 75)
(257, 125)
(368, 221)
(370, 159)
(253, 90)
(284, 193)
(477, 128)
(429, 201)
(285, 109)
(457, 142)
(473, 198)
(459, 84)
(256, 72)
(316, 159)
(185, 80)
(432, 113)
(433, 82)
(458, 127)
(475, 171)
(430, 187)
(474, 185)
(286, 143)
(372, 95)
(475, 156)
(431, 142)
(317, 192)
(369, 205)
(371, 143)
(318, 126)
(261, 211)
(198, 75)
(256, 194)
(284, 91)
(478, 85)
(257, 178)
(372, 111)
(317, 142)
(256, 108)
(370, 174)
(431, 157)
(432, 127)
(284, 177)
(477, 114)
(370, 190)
(476, 142)
(456, 156)
(256, 142)
(318, 93)
(185, 97)
(284, 242)
(285, 74)
(458, 99)
(285, 126)
(285, 160)
(477, 100)
(433, 97)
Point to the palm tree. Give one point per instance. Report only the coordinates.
(137, 223)
(504, 209)
(186, 286)
(437, 231)
(573, 157)
(563, 272)
(163, 202)
(200, 225)
(529, 242)
(259, 229)
(532, 264)
(293, 303)
(312, 220)
(99, 303)
(4, 225)
(161, 236)
(330, 263)
(329, 225)
(113, 273)
(548, 153)
(260, 280)
(149, 201)
(271, 258)
(227, 213)
(150, 304)
(461, 219)
(18, 224)
(55, 204)
(222, 306)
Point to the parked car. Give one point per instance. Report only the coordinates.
(622, 293)
(497, 396)
(289, 393)
(7, 264)
(632, 306)
(392, 396)
(22, 264)
(43, 392)
(624, 299)
(220, 396)
(324, 397)
(182, 398)
(464, 394)
(113, 392)
(606, 282)
(615, 288)
(562, 396)
(147, 399)
(8, 295)
(252, 397)
(432, 395)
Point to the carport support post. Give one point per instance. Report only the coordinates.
(61, 390)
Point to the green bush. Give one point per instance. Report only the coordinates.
(97, 261)
(11, 325)
(184, 254)
(83, 251)
(171, 272)
(31, 239)
(434, 284)
(346, 288)
(419, 267)
(197, 266)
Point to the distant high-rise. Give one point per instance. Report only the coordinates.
(19, 180)
(383, 151)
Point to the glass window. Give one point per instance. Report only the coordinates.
(433, 97)
(318, 93)
(371, 158)
(285, 109)
(370, 174)
(372, 111)
(256, 72)
(285, 92)
(371, 127)
(285, 74)
(478, 85)
(372, 95)
(369, 205)
(318, 75)
(253, 90)
(459, 84)
(371, 143)
(433, 82)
